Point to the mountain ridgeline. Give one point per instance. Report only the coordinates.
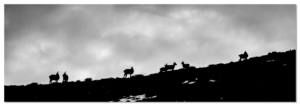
(268, 78)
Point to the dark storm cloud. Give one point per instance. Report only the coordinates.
(100, 41)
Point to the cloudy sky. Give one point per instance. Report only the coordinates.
(100, 41)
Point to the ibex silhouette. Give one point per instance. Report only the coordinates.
(65, 77)
(128, 71)
(54, 77)
(243, 56)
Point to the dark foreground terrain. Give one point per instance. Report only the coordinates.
(268, 78)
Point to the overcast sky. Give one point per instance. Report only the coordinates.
(100, 41)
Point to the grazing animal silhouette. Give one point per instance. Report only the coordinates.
(170, 67)
(243, 56)
(54, 77)
(128, 71)
(65, 77)
(185, 66)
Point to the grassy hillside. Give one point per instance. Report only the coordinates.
(270, 77)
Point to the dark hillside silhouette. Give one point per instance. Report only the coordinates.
(268, 78)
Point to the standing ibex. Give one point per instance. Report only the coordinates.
(185, 66)
(65, 77)
(54, 77)
(243, 56)
(128, 71)
(170, 67)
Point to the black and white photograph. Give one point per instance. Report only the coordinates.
(162, 53)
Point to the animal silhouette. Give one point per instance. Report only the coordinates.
(128, 71)
(185, 66)
(65, 77)
(163, 69)
(243, 56)
(54, 77)
(170, 67)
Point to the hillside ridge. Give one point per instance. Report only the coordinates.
(270, 77)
